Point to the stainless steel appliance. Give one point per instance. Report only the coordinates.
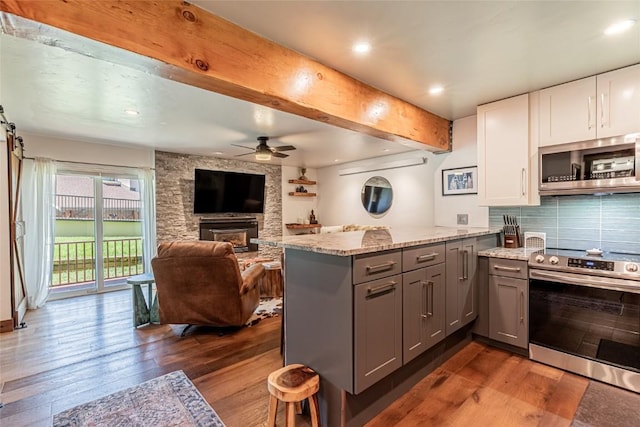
(596, 166)
(584, 314)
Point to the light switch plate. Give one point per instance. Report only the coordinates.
(463, 219)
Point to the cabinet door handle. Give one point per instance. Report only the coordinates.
(382, 289)
(523, 181)
(521, 306)
(426, 257)
(380, 267)
(430, 296)
(602, 114)
(465, 265)
(502, 268)
(589, 124)
(424, 299)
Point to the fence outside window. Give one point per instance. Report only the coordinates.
(74, 262)
(82, 207)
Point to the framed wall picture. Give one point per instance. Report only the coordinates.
(460, 181)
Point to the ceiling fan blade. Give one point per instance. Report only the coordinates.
(276, 154)
(242, 146)
(283, 148)
(245, 154)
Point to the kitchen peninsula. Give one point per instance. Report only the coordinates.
(373, 312)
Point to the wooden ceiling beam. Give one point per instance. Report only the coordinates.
(198, 48)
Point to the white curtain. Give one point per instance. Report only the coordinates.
(38, 196)
(148, 194)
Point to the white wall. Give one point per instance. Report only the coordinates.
(79, 151)
(5, 278)
(417, 190)
(339, 199)
(297, 207)
(465, 153)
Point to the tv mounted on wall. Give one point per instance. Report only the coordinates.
(228, 192)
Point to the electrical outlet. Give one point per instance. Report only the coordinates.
(463, 219)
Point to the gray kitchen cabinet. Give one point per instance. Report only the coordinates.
(344, 319)
(377, 330)
(423, 309)
(460, 294)
(509, 302)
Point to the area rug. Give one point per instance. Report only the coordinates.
(169, 400)
(269, 307)
(603, 405)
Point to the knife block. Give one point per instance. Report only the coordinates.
(513, 240)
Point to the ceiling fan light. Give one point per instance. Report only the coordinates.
(263, 156)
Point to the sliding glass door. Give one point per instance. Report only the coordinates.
(98, 242)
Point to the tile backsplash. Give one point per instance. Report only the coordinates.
(610, 222)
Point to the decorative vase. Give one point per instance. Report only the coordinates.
(302, 172)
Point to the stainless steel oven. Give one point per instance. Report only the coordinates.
(584, 315)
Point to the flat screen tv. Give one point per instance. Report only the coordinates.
(232, 192)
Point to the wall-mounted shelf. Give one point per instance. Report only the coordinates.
(298, 194)
(302, 226)
(302, 181)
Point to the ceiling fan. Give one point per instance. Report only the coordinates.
(264, 152)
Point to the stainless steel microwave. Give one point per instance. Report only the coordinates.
(607, 165)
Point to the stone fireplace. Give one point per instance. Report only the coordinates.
(175, 219)
(236, 230)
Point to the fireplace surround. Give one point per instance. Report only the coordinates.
(236, 230)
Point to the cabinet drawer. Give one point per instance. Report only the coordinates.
(422, 256)
(508, 268)
(370, 267)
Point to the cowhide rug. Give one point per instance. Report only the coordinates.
(269, 307)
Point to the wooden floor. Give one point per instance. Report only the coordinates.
(79, 349)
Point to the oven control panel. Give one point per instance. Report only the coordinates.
(591, 264)
(626, 266)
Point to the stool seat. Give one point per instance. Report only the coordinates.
(292, 384)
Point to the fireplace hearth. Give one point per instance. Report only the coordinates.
(236, 230)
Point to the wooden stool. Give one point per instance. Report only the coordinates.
(271, 284)
(292, 384)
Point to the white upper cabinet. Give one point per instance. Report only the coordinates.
(596, 107)
(618, 102)
(568, 112)
(504, 152)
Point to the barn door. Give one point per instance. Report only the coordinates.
(16, 230)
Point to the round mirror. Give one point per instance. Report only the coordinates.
(377, 195)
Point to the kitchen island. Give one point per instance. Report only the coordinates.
(373, 312)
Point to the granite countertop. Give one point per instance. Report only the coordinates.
(359, 242)
(509, 253)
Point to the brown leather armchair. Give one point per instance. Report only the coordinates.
(200, 283)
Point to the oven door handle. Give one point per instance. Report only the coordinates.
(610, 283)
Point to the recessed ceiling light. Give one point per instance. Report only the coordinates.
(218, 152)
(361, 48)
(336, 160)
(619, 27)
(131, 112)
(436, 90)
(386, 150)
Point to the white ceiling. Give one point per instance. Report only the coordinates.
(479, 51)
